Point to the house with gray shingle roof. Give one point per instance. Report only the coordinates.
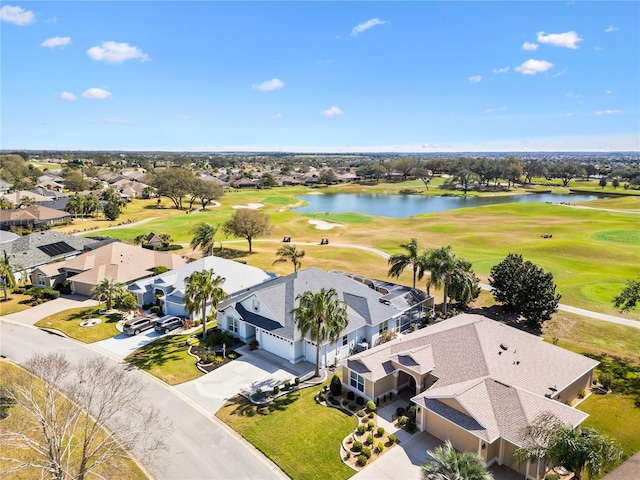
(475, 382)
(263, 313)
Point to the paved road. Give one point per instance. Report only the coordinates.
(201, 447)
(33, 314)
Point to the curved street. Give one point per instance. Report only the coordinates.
(201, 446)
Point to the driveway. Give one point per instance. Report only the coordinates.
(123, 344)
(34, 314)
(257, 369)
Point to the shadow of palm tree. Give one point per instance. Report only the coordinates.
(156, 353)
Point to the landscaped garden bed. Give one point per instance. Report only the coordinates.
(209, 360)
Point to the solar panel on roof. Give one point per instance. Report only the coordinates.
(56, 249)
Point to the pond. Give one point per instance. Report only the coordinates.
(403, 206)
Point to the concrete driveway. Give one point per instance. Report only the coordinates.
(37, 313)
(123, 344)
(257, 369)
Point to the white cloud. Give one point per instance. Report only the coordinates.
(608, 112)
(332, 112)
(68, 96)
(569, 114)
(610, 29)
(532, 67)
(16, 15)
(56, 42)
(114, 52)
(608, 92)
(115, 121)
(358, 29)
(572, 95)
(269, 85)
(560, 73)
(490, 110)
(501, 70)
(277, 116)
(475, 79)
(184, 118)
(567, 39)
(96, 93)
(529, 46)
(597, 48)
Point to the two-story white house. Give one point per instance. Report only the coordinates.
(263, 313)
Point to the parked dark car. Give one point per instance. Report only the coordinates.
(167, 323)
(137, 325)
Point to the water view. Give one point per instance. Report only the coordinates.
(402, 206)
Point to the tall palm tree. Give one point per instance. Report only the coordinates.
(290, 253)
(26, 201)
(448, 464)
(108, 290)
(6, 273)
(204, 238)
(323, 315)
(464, 286)
(201, 288)
(400, 261)
(442, 263)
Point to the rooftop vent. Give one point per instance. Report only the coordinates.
(503, 346)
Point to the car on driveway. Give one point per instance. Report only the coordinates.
(167, 323)
(137, 325)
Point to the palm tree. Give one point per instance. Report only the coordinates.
(26, 202)
(290, 252)
(442, 263)
(464, 286)
(204, 238)
(400, 261)
(201, 288)
(6, 273)
(321, 314)
(4, 204)
(448, 464)
(108, 290)
(577, 450)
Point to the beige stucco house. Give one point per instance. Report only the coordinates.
(475, 382)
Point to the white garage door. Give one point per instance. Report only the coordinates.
(274, 344)
(310, 352)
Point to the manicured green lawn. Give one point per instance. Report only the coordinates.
(296, 433)
(13, 305)
(167, 359)
(616, 416)
(68, 322)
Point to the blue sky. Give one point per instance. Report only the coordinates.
(320, 76)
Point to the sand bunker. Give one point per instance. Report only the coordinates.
(324, 225)
(252, 206)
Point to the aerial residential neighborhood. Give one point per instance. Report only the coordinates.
(320, 240)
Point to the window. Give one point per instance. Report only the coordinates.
(357, 381)
(382, 327)
(232, 324)
(39, 279)
(345, 340)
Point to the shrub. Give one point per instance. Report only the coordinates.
(297, 381)
(351, 395)
(232, 356)
(370, 426)
(19, 290)
(357, 446)
(582, 394)
(276, 390)
(334, 401)
(218, 360)
(287, 385)
(49, 293)
(366, 452)
(392, 439)
(35, 292)
(360, 413)
(371, 415)
(157, 309)
(552, 476)
(361, 429)
(335, 386)
(330, 398)
(371, 406)
(352, 407)
(380, 431)
(369, 440)
(606, 379)
(253, 344)
(362, 461)
(360, 401)
(402, 421)
(379, 447)
(320, 394)
(400, 411)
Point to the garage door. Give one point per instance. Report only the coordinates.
(274, 344)
(310, 352)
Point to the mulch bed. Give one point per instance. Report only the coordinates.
(210, 367)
